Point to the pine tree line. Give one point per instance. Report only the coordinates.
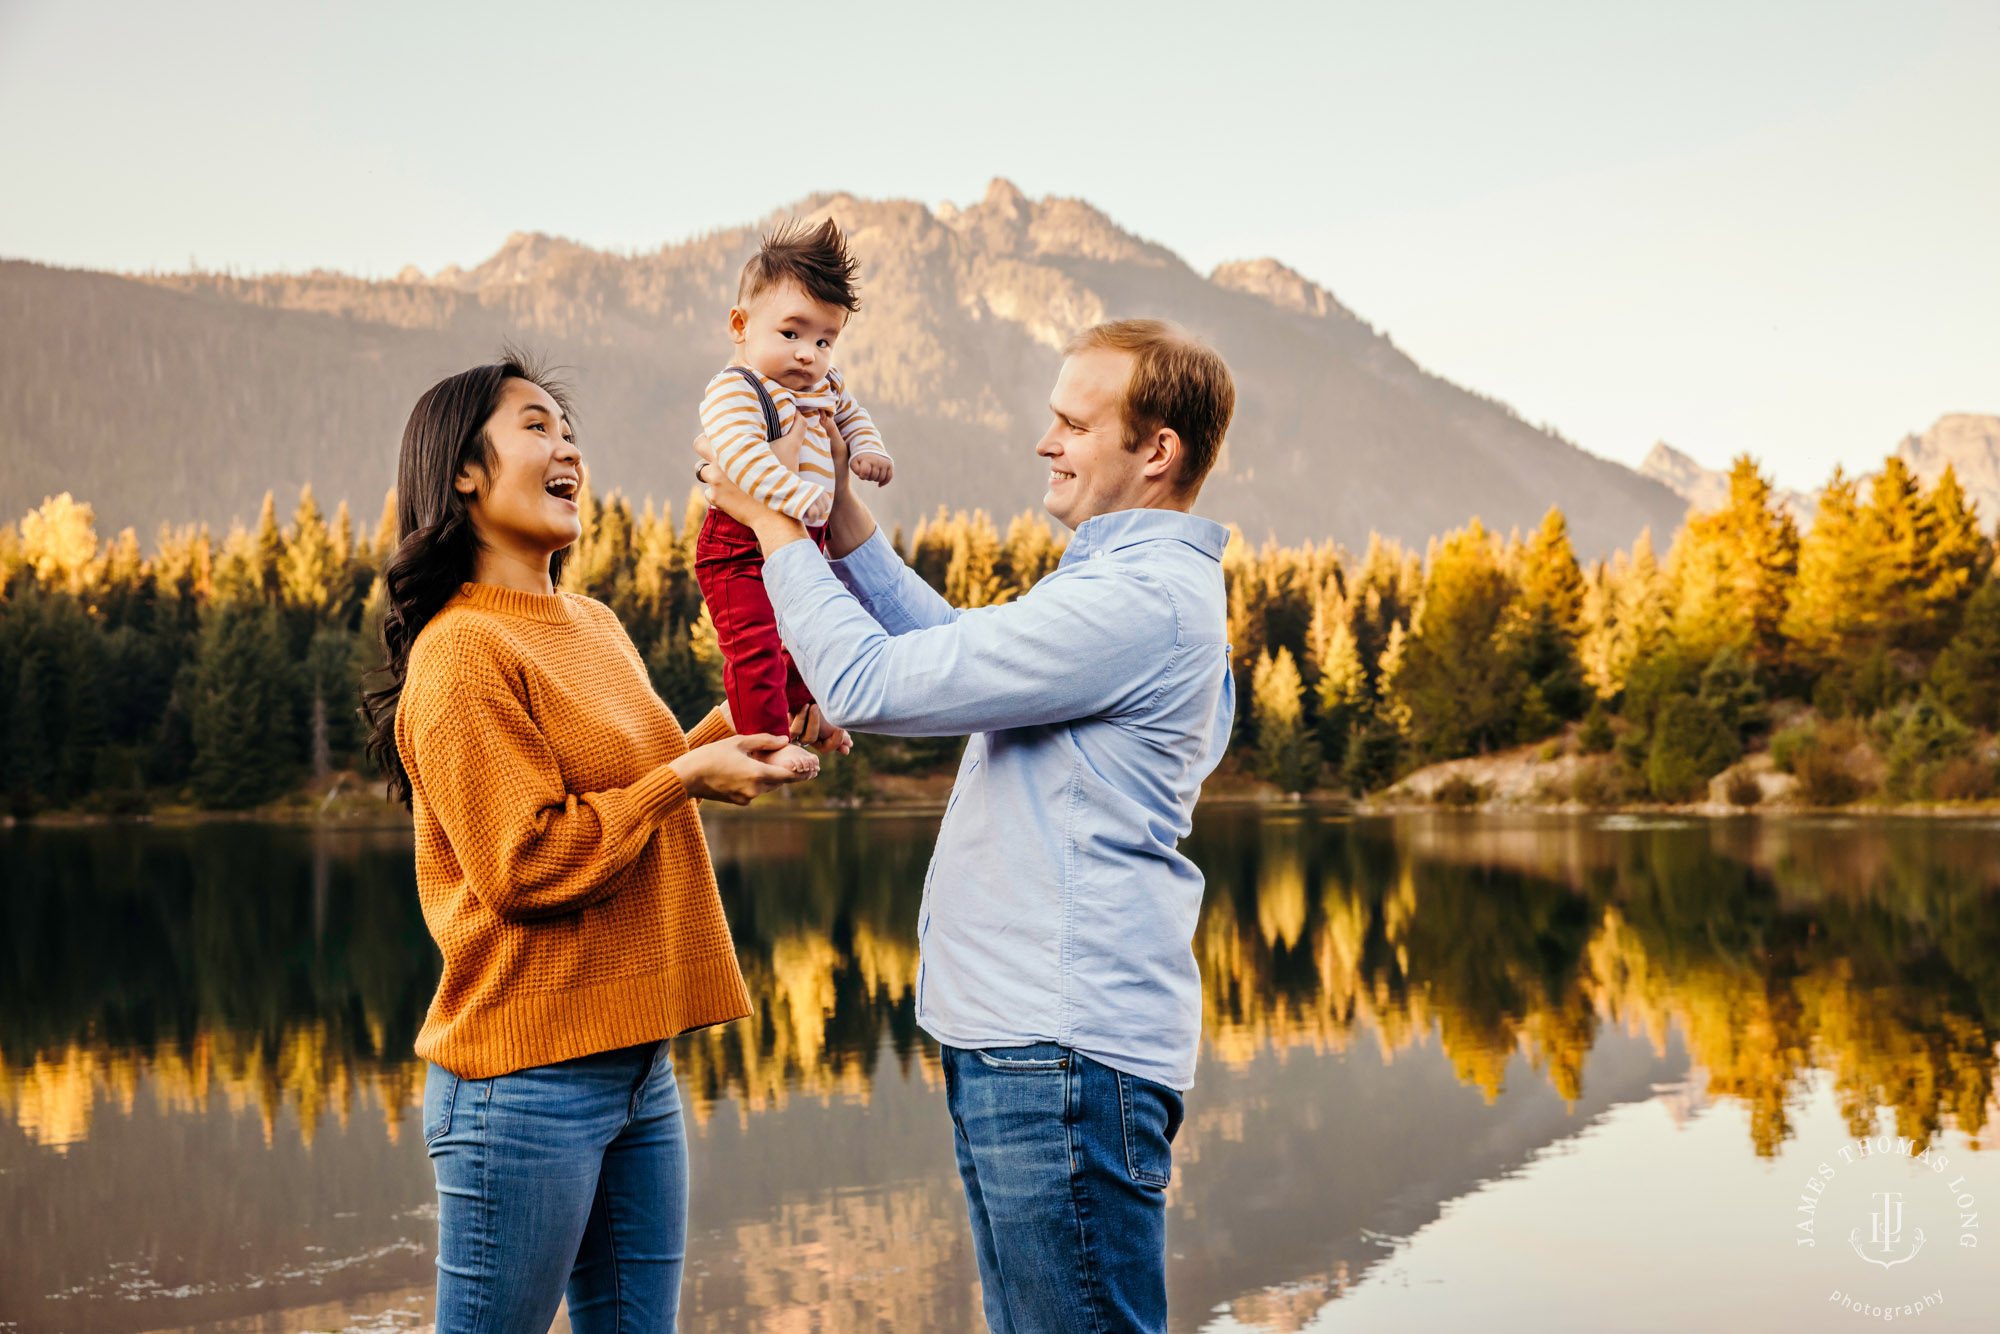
(225, 674)
(1878, 629)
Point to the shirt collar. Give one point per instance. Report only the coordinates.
(1125, 528)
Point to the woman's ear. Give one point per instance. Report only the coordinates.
(469, 480)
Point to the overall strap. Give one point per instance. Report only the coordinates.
(771, 431)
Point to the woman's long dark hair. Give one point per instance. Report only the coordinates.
(436, 545)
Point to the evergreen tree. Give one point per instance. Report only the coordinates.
(1391, 707)
(333, 686)
(1920, 737)
(1967, 674)
(1734, 568)
(605, 563)
(1551, 581)
(1690, 745)
(312, 568)
(971, 577)
(1729, 685)
(242, 698)
(1958, 560)
(685, 665)
(1547, 622)
(1029, 553)
(384, 545)
(1461, 682)
(1286, 754)
(58, 540)
(930, 549)
(1343, 691)
(52, 696)
(693, 515)
(235, 577)
(1383, 593)
(270, 551)
(1833, 608)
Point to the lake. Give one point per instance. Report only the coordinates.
(1478, 1072)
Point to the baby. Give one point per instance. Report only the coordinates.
(792, 301)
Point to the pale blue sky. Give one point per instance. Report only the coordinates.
(1764, 226)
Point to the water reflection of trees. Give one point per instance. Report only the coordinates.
(276, 964)
(264, 963)
(1868, 952)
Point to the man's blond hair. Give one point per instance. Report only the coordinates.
(1178, 383)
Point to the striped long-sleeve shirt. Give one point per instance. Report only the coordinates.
(733, 419)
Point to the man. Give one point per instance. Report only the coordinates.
(1058, 914)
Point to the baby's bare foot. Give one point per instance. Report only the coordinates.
(799, 760)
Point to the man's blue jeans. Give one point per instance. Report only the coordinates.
(570, 1177)
(1065, 1163)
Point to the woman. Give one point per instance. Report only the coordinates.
(562, 872)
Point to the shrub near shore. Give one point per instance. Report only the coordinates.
(224, 674)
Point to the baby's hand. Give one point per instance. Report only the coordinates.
(872, 467)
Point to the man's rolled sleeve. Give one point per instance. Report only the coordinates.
(1069, 649)
(893, 593)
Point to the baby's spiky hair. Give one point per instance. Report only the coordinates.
(814, 257)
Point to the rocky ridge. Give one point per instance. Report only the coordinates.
(187, 396)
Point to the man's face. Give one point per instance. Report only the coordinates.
(1090, 470)
(787, 335)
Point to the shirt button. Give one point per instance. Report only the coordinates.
(1095, 554)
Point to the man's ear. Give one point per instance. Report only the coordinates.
(1163, 454)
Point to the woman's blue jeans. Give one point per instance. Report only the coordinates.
(567, 1178)
(1065, 1163)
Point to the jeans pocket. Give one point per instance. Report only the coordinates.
(1152, 1117)
(440, 1095)
(1040, 1059)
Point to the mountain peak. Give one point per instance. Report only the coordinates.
(1005, 198)
(1708, 488)
(522, 257)
(1006, 222)
(1969, 444)
(1283, 287)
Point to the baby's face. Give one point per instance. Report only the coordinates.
(787, 335)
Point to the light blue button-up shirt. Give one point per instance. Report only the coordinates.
(1058, 906)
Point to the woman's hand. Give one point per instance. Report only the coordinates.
(736, 769)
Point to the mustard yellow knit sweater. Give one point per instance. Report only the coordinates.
(561, 864)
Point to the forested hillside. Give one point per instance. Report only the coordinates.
(184, 397)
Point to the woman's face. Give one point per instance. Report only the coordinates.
(527, 502)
